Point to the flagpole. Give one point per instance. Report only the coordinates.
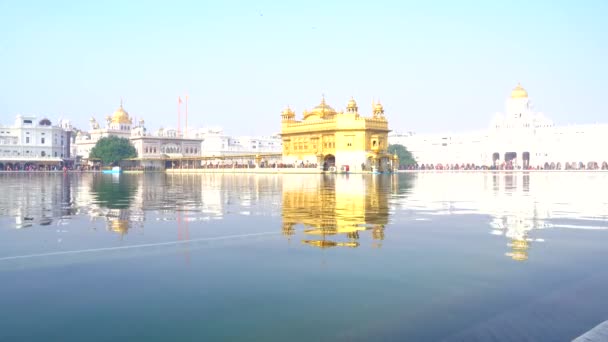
(186, 130)
(179, 106)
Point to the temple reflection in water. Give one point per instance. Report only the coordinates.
(318, 210)
(334, 211)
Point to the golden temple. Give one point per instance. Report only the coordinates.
(335, 140)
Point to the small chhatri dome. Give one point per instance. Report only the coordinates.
(120, 116)
(519, 92)
(288, 111)
(352, 104)
(378, 109)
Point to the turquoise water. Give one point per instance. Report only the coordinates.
(416, 257)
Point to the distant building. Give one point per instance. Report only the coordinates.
(520, 137)
(33, 142)
(214, 142)
(334, 139)
(150, 148)
(119, 124)
(168, 143)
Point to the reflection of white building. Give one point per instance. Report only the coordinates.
(517, 203)
(33, 140)
(519, 135)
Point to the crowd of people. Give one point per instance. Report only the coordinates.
(509, 166)
(47, 168)
(248, 165)
(273, 165)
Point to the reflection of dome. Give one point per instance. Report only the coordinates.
(519, 250)
(519, 92)
(120, 116)
(519, 256)
(335, 230)
(119, 226)
(328, 244)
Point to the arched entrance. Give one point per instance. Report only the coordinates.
(526, 159)
(329, 161)
(509, 156)
(495, 157)
(510, 160)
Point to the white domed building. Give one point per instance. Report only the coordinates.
(150, 148)
(118, 124)
(517, 138)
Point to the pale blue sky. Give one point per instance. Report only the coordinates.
(436, 66)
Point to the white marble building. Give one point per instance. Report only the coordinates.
(519, 137)
(35, 141)
(169, 142)
(119, 124)
(216, 143)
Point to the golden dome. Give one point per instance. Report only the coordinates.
(120, 116)
(519, 92)
(352, 104)
(322, 110)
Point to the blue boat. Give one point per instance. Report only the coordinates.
(115, 169)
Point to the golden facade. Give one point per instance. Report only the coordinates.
(335, 139)
(336, 211)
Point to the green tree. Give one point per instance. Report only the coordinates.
(405, 156)
(111, 150)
